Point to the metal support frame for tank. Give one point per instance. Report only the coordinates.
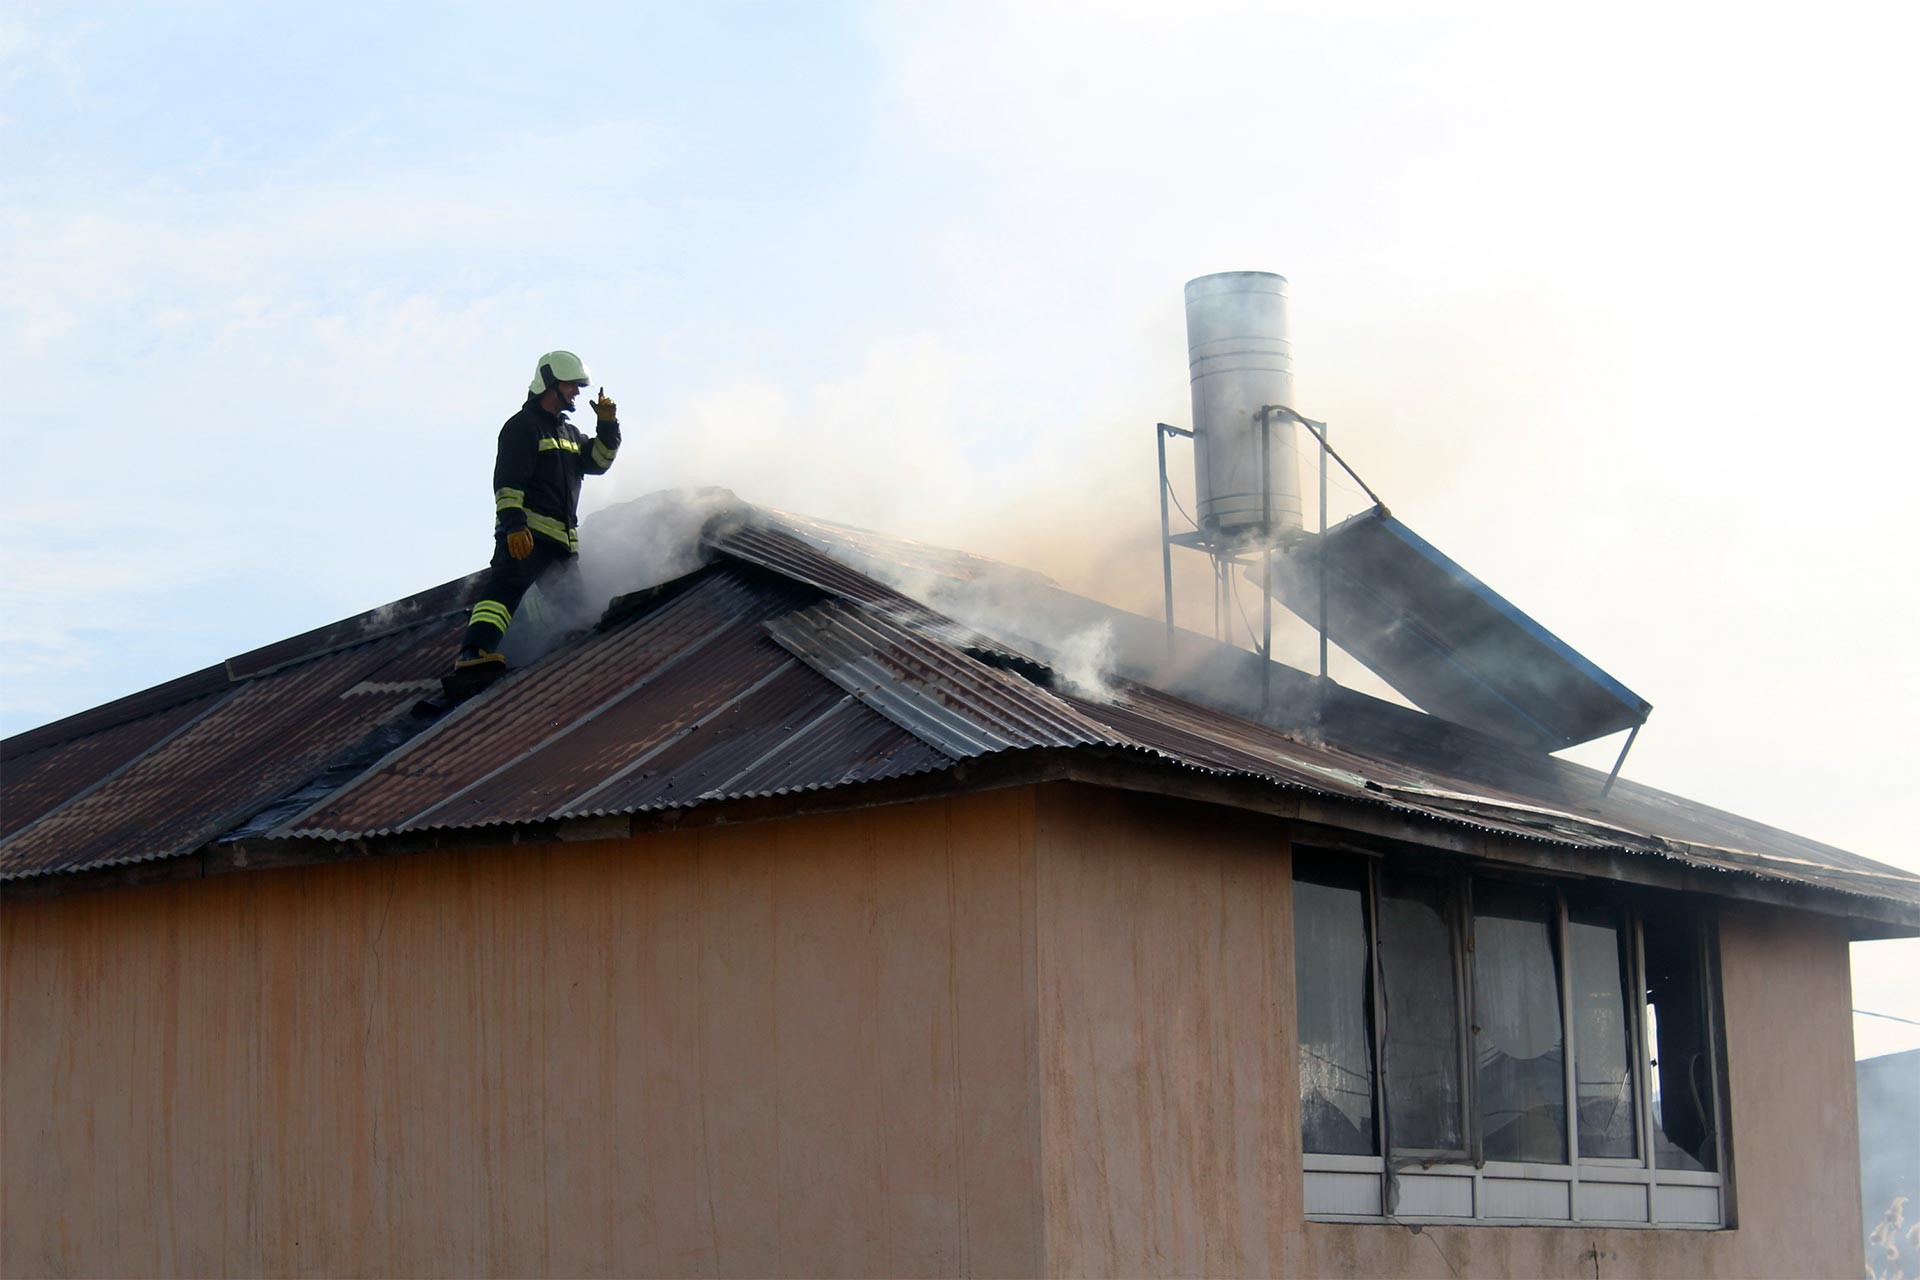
(1224, 555)
(1161, 432)
(1319, 433)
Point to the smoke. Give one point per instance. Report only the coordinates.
(388, 616)
(645, 541)
(1084, 660)
(924, 440)
(623, 548)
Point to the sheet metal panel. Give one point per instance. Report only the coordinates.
(109, 715)
(935, 691)
(35, 782)
(466, 750)
(626, 727)
(849, 743)
(1449, 642)
(711, 752)
(272, 733)
(1154, 721)
(786, 554)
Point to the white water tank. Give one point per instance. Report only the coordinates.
(1239, 359)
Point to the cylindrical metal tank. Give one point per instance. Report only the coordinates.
(1239, 359)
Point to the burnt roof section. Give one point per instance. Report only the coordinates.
(776, 669)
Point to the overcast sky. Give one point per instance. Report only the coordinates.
(1615, 305)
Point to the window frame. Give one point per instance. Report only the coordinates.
(1464, 1187)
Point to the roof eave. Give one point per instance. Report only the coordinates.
(1314, 817)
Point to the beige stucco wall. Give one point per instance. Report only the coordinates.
(1170, 1102)
(1039, 1030)
(794, 1048)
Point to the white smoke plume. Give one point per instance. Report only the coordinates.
(623, 548)
(1085, 661)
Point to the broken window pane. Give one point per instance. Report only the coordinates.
(1603, 1056)
(1419, 976)
(1331, 975)
(1684, 1125)
(1520, 1066)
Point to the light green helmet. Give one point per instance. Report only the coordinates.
(556, 367)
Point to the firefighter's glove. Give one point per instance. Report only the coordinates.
(520, 543)
(605, 412)
(606, 425)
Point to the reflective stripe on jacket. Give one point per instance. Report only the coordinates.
(537, 471)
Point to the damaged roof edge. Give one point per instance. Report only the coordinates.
(1315, 818)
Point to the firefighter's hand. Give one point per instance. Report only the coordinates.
(520, 543)
(605, 410)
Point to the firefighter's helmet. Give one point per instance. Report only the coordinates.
(557, 367)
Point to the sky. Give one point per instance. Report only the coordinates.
(1612, 304)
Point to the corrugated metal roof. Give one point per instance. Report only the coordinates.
(60, 772)
(868, 746)
(237, 754)
(939, 694)
(773, 670)
(779, 550)
(501, 757)
(120, 711)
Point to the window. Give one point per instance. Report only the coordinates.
(1420, 980)
(1336, 1038)
(1477, 1047)
(1603, 1064)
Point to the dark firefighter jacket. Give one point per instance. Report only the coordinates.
(536, 473)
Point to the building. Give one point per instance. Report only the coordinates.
(784, 923)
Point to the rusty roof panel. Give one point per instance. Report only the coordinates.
(236, 757)
(1200, 738)
(108, 715)
(946, 697)
(848, 736)
(1153, 721)
(621, 734)
(35, 783)
(765, 704)
(464, 752)
(790, 556)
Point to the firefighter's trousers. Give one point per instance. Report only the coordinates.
(508, 580)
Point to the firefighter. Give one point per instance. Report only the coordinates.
(536, 496)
